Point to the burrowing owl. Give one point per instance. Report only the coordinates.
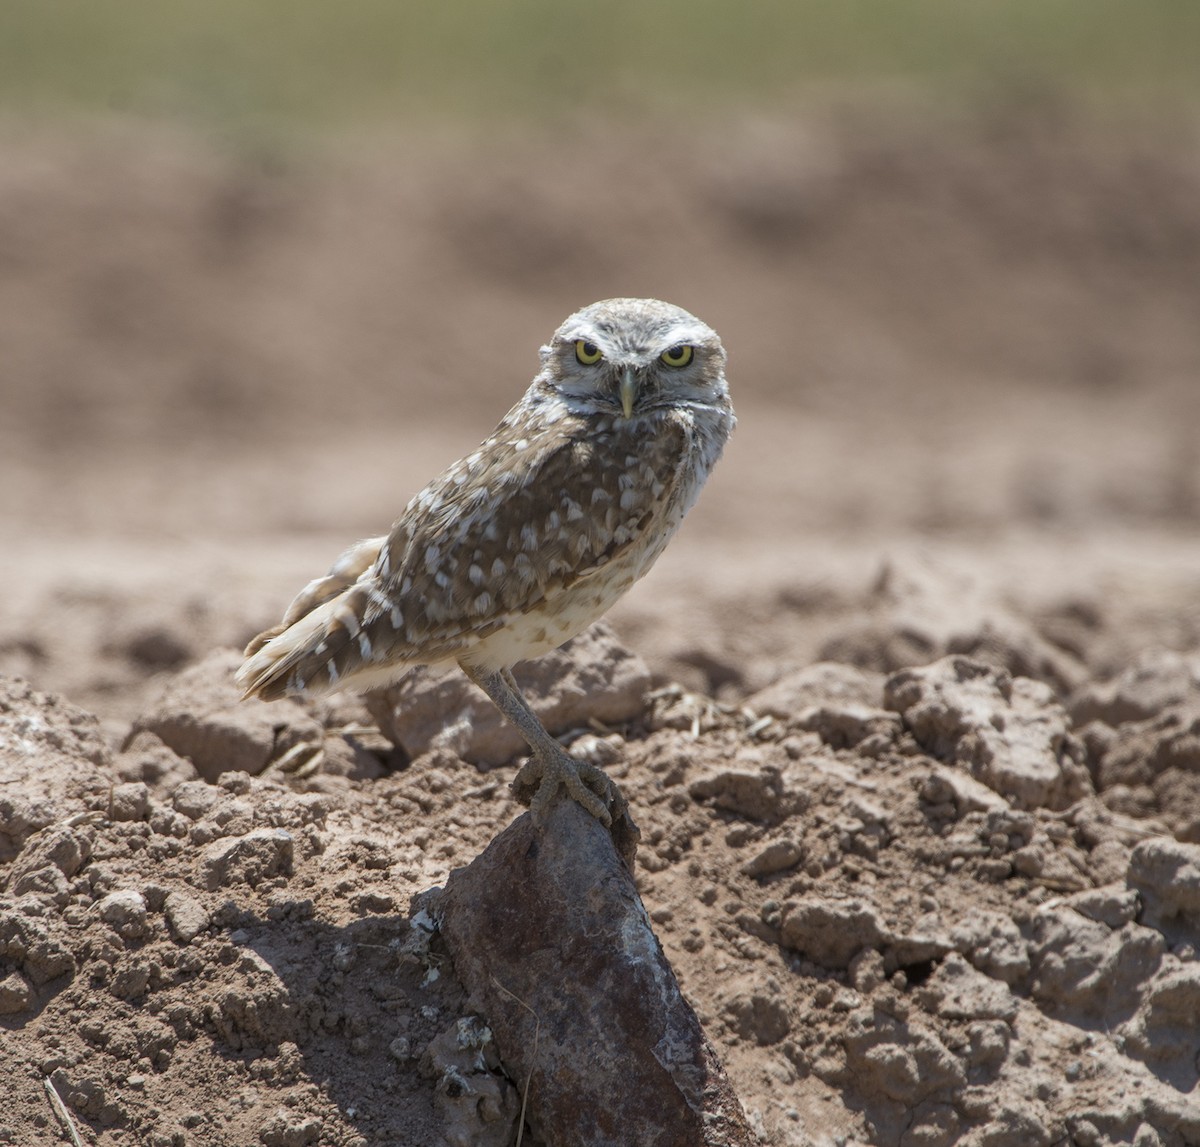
(529, 539)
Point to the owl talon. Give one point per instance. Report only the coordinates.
(541, 777)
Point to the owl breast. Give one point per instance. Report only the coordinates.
(665, 460)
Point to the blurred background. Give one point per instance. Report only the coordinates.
(265, 268)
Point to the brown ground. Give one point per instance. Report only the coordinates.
(933, 905)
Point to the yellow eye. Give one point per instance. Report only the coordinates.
(587, 353)
(678, 355)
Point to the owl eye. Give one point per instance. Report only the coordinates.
(678, 355)
(587, 353)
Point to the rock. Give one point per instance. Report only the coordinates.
(591, 677)
(993, 943)
(248, 859)
(1166, 874)
(830, 932)
(621, 1057)
(186, 916)
(200, 715)
(1008, 733)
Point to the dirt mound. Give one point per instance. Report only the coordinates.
(911, 908)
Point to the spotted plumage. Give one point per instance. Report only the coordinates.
(530, 538)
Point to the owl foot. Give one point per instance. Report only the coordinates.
(543, 775)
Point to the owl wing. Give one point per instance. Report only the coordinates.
(526, 516)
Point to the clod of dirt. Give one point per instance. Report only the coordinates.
(48, 860)
(903, 1060)
(201, 716)
(33, 727)
(777, 856)
(821, 684)
(1165, 1033)
(1166, 874)
(248, 859)
(1007, 732)
(1149, 767)
(590, 678)
(994, 944)
(16, 994)
(29, 947)
(1111, 905)
(125, 912)
(479, 1106)
(1157, 680)
(949, 786)
(613, 1053)
(957, 991)
(185, 915)
(146, 759)
(1085, 968)
(755, 793)
(830, 933)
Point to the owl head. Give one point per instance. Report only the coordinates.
(630, 356)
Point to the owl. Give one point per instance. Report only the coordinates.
(523, 543)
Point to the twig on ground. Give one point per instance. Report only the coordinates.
(60, 1109)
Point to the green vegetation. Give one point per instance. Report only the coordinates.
(328, 62)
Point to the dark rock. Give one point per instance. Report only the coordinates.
(613, 1052)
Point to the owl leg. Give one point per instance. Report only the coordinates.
(551, 766)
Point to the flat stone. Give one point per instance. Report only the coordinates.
(186, 916)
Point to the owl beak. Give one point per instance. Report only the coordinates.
(627, 389)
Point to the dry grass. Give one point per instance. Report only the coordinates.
(306, 63)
